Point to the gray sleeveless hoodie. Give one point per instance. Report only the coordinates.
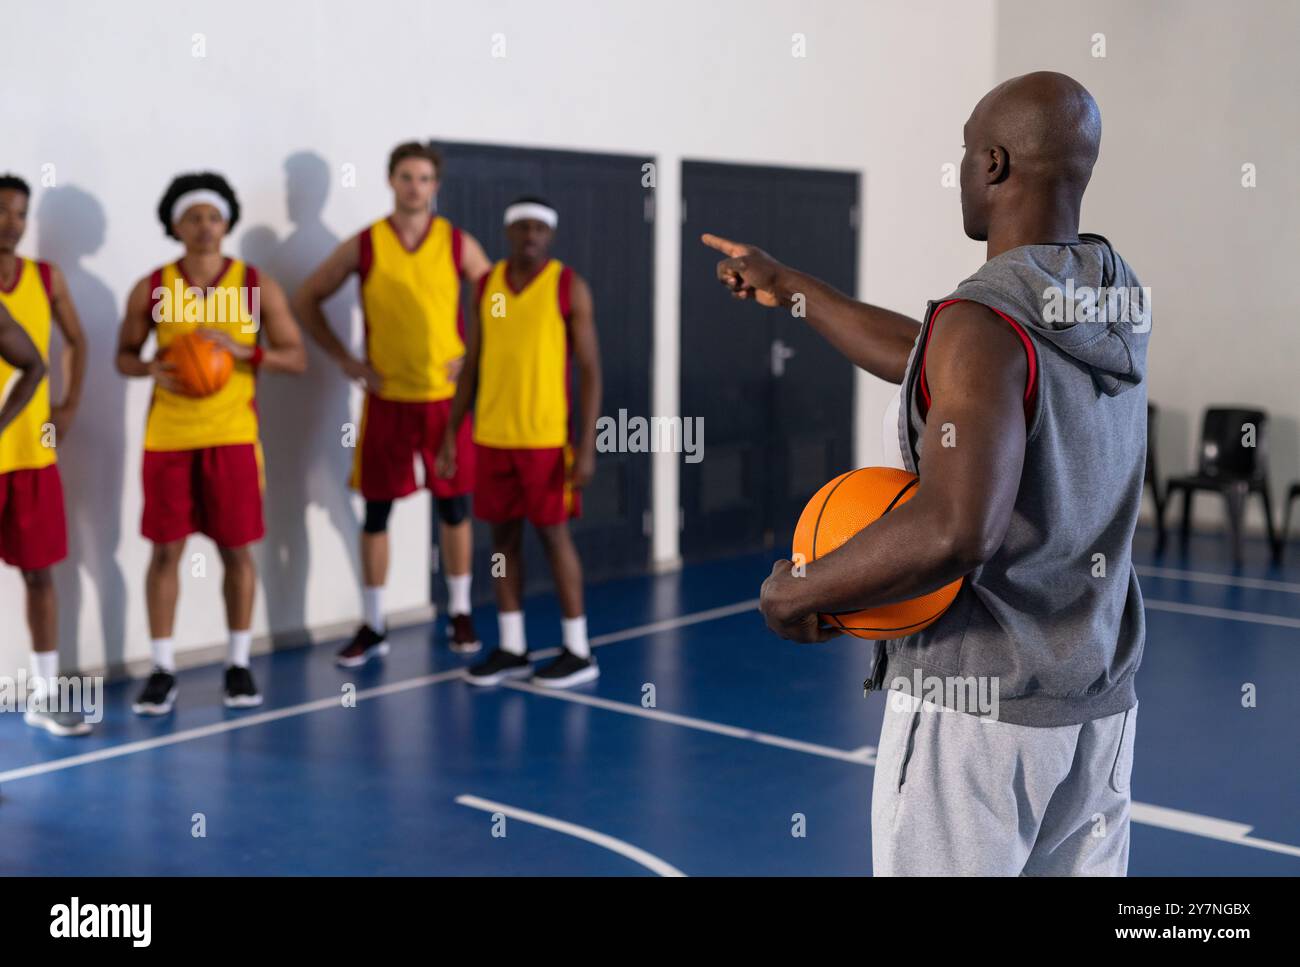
(1055, 616)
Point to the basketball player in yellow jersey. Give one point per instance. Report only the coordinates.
(202, 456)
(33, 532)
(410, 265)
(532, 313)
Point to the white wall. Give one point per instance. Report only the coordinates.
(288, 93)
(1189, 92)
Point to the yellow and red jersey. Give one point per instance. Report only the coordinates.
(180, 305)
(411, 301)
(523, 378)
(23, 445)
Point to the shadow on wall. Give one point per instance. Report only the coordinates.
(302, 416)
(72, 227)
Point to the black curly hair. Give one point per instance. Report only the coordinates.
(10, 182)
(193, 182)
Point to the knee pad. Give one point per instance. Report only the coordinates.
(377, 512)
(453, 510)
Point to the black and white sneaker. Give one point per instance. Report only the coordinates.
(497, 667)
(366, 644)
(464, 639)
(158, 695)
(241, 690)
(566, 671)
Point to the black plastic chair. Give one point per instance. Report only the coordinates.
(1229, 467)
(1153, 478)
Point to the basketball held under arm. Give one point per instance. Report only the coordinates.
(973, 451)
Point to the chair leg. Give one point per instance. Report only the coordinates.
(1274, 540)
(1235, 495)
(1161, 533)
(1186, 531)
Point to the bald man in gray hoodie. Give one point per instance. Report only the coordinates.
(1007, 742)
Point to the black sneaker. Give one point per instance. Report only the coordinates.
(241, 690)
(566, 671)
(497, 667)
(366, 644)
(158, 696)
(464, 639)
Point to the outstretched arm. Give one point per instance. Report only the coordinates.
(18, 350)
(875, 339)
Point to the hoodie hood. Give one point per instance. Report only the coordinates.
(1081, 297)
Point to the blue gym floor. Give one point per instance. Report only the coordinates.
(746, 731)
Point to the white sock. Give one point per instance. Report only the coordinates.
(511, 624)
(574, 635)
(372, 606)
(164, 654)
(241, 643)
(458, 594)
(45, 668)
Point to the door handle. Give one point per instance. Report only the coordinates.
(780, 353)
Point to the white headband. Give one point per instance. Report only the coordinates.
(531, 209)
(199, 196)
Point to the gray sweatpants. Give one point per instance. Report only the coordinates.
(956, 795)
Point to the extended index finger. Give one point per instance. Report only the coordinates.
(724, 245)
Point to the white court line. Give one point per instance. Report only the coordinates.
(261, 718)
(1202, 611)
(865, 755)
(1208, 577)
(634, 853)
(1206, 826)
(1186, 822)
(230, 725)
(1176, 819)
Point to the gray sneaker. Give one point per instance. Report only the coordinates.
(57, 723)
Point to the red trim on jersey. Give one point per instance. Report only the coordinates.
(47, 279)
(566, 292)
(1031, 383)
(481, 287)
(19, 262)
(225, 267)
(400, 241)
(252, 280)
(366, 257)
(456, 243)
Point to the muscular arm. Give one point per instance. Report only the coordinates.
(284, 351)
(134, 332)
(474, 263)
(872, 338)
(18, 350)
(976, 371)
(467, 383)
(586, 352)
(73, 359)
(319, 286)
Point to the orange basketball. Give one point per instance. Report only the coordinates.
(838, 511)
(201, 366)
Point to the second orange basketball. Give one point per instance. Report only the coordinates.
(839, 510)
(202, 366)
